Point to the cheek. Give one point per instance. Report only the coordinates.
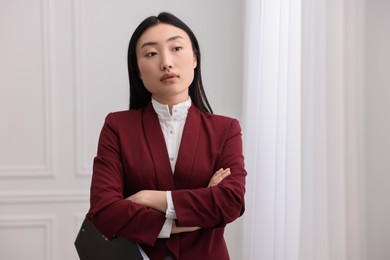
(191, 67)
(141, 68)
(146, 74)
(189, 74)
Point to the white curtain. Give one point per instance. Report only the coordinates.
(301, 130)
(272, 129)
(332, 220)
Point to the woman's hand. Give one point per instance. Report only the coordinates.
(157, 199)
(218, 176)
(176, 229)
(150, 198)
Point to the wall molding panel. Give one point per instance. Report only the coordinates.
(35, 197)
(44, 170)
(83, 169)
(44, 223)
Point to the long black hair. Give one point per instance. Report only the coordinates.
(139, 95)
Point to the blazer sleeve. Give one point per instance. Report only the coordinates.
(111, 213)
(221, 204)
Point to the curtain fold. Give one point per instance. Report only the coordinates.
(302, 130)
(271, 125)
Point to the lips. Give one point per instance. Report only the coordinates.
(168, 76)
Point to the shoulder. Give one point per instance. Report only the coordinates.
(123, 114)
(219, 121)
(123, 118)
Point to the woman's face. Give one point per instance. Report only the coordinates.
(166, 62)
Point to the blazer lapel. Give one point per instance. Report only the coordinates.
(158, 149)
(187, 150)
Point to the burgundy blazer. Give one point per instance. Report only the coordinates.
(132, 156)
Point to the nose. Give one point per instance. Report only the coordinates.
(166, 67)
(166, 63)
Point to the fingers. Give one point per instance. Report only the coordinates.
(176, 229)
(219, 176)
(222, 173)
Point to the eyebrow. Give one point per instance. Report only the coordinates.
(173, 38)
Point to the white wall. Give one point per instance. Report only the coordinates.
(62, 69)
(377, 128)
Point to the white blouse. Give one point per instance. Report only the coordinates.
(172, 127)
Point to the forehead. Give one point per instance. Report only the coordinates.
(160, 33)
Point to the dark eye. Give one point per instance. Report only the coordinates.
(151, 54)
(177, 48)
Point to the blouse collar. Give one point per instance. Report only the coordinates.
(179, 111)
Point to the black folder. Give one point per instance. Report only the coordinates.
(91, 245)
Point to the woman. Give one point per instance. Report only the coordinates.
(168, 173)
